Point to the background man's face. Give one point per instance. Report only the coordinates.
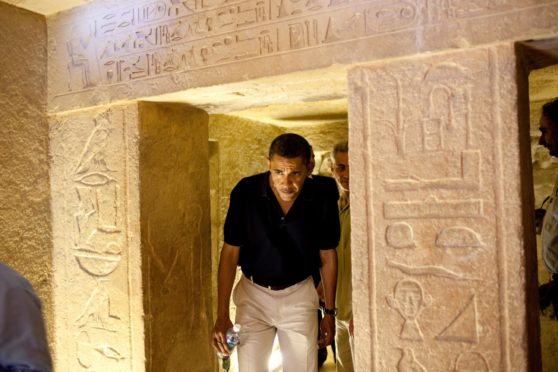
(287, 176)
(549, 135)
(340, 170)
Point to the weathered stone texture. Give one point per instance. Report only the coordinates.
(438, 242)
(175, 228)
(25, 219)
(100, 53)
(97, 276)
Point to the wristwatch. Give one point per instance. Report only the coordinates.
(330, 311)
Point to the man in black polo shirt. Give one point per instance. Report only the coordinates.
(280, 227)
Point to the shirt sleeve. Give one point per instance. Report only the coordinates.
(234, 228)
(23, 344)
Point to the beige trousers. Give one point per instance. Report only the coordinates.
(344, 346)
(290, 313)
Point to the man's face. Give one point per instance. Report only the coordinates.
(549, 135)
(340, 170)
(287, 176)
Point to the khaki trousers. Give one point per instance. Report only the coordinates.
(344, 346)
(290, 313)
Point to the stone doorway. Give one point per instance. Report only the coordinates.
(238, 121)
(538, 70)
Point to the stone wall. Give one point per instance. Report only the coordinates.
(106, 51)
(25, 211)
(176, 254)
(438, 238)
(94, 172)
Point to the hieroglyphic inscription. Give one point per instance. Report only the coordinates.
(471, 361)
(99, 242)
(408, 362)
(440, 10)
(409, 300)
(428, 123)
(165, 37)
(464, 327)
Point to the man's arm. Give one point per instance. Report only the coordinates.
(329, 279)
(227, 272)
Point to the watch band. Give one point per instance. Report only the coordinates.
(330, 311)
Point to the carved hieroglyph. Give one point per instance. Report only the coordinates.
(170, 45)
(96, 246)
(428, 140)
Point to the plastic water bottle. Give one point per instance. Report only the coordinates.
(233, 337)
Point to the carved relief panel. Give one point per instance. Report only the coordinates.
(127, 42)
(427, 143)
(94, 240)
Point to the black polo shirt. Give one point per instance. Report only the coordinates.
(278, 249)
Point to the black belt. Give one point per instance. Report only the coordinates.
(272, 287)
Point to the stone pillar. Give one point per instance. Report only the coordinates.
(25, 217)
(176, 238)
(96, 234)
(439, 245)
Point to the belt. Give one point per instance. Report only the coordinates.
(272, 287)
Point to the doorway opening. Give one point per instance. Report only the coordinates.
(538, 70)
(240, 121)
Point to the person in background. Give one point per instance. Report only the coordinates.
(344, 321)
(23, 342)
(281, 227)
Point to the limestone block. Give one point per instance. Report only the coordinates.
(176, 239)
(109, 50)
(439, 249)
(96, 257)
(25, 218)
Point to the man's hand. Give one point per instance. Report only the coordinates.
(219, 335)
(327, 330)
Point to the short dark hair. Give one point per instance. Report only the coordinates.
(290, 145)
(550, 110)
(342, 146)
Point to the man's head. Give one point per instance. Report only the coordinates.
(340, 164)
(289, 165)
(549, 127)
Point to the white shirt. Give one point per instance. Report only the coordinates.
(549, 233)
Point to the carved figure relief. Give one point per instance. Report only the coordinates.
(97, 312)
(470, 177)
(408, 362)
(448, 108)
(400, 235)
(458, 237)
(97, 235)
(409, 300)
(432, 207)
(99, 241)
(464, 327)
(442, 10)
(471, 361)
(429, 270)
(391, 16)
